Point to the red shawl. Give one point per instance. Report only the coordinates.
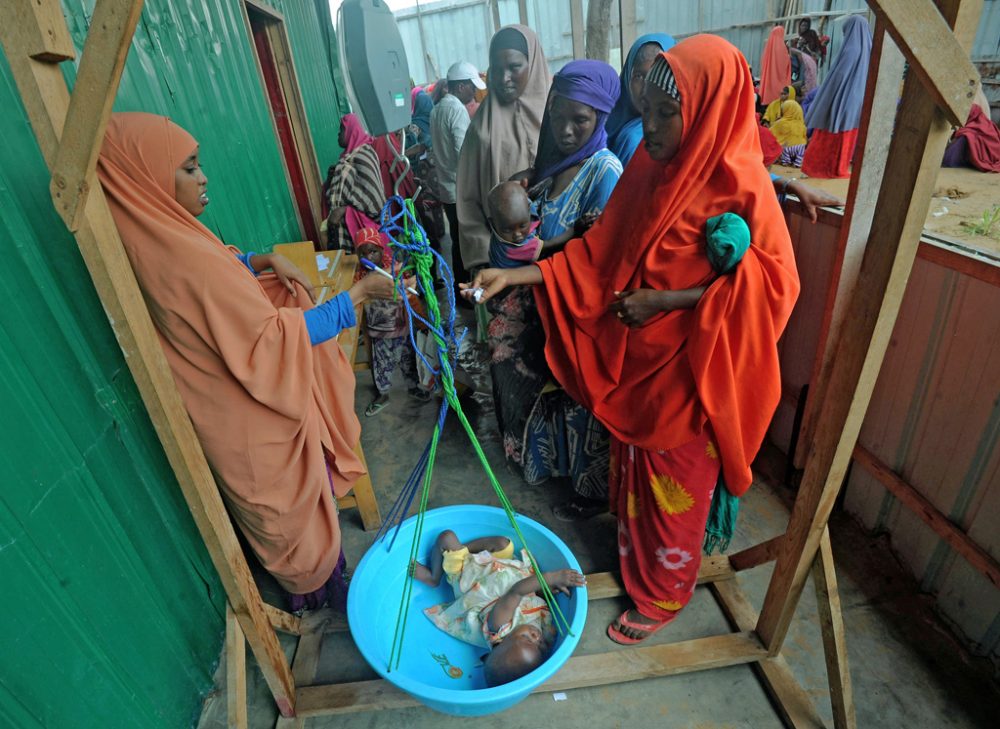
(655, 386)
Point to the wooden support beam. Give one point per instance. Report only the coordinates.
(46, 100)
(937, 58)
(915, 152)
(522, 12)
(577, 26)
(627, 27)
(976, 556)
(601, 585)
(304, 665)
(885, 73)
(52, 41)
(757, 555)
(101, 64)
(285, 622)
(790, 700)
(236, 672)
(831, 623)
(620, 666)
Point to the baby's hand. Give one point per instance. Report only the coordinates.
(562, 580)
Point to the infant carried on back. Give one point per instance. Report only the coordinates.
(495, 603)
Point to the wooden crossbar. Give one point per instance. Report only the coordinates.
(35, 40)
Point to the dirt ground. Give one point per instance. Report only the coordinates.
(962, 196)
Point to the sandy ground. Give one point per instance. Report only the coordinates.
(961, 196)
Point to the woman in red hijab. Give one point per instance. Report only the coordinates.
(678, 362)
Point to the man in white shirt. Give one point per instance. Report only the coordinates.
(449, 122)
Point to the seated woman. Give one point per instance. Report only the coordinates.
(773, 111)
(547, 434)
(789, 129)
(270, 395)
(678, 361)
(353, 186)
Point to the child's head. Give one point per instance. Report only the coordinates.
(369, 245)
(510, 211)
(520, 652)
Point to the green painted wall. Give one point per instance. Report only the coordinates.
(111, 611)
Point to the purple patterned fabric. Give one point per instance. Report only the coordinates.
(593, 83)
(333, 592)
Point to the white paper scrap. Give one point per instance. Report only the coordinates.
(322, 262)
(559, 696)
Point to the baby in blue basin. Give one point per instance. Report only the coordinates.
(495, 605)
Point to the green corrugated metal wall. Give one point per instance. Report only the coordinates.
(111, 611)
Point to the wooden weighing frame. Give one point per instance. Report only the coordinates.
(888, 200)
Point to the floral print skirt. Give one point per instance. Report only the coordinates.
(545, 434)
(662, 499)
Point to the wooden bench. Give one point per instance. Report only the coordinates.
(337, 276)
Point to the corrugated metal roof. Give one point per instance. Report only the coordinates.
(460, 29)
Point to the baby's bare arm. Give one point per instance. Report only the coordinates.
(558, 581)
(448, 541)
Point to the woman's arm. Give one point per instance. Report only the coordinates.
(636, 306)
(494, 280)
(327, 320)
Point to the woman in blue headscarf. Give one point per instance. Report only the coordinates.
(545, 433)
(835, 113)
(625, 122)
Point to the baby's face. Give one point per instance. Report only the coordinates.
(372, 252)
(522, 651)
(513, 223)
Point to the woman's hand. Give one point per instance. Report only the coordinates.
(336, 216)
(813, 198)
(491, 281)
(289, 274)
(585, 222)
(372, 286)
(633, 308)
(636, 306)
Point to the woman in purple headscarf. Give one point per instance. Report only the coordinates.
(545, 433)
(835, 113)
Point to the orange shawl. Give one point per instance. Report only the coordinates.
(655, 386)
(266, 405)
(775, 66)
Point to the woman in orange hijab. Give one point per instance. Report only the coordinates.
(269, 392)
(678, 362)
(775, 66)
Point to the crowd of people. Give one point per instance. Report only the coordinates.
(632, 274)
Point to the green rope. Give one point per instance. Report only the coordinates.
(421, 263)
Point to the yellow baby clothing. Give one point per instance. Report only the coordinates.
(479, 580)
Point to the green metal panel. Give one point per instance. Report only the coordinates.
(112, 613)
(193, 62)
(314, 50)
(111, 610)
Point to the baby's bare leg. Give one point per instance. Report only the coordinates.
(489, 544)
(447, 541)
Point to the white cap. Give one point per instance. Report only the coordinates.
(465, 71)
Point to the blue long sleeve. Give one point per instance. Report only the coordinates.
(330, 318)
(245, 260)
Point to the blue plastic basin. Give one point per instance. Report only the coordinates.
(429, 655)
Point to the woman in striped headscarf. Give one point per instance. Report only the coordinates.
(682, 367)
